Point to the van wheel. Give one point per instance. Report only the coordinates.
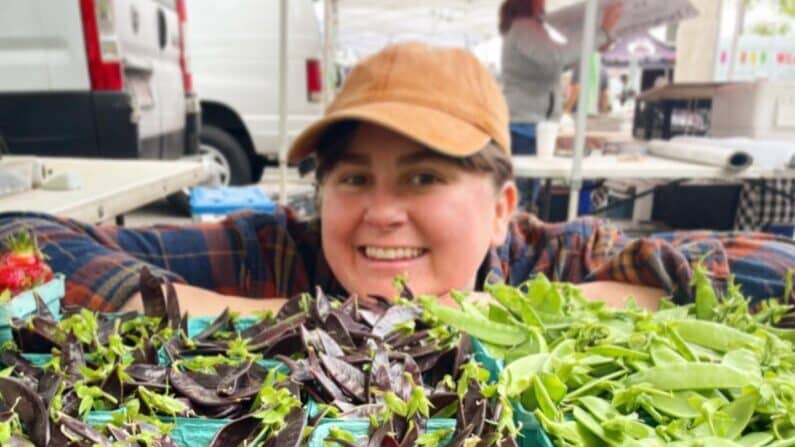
(232, 163)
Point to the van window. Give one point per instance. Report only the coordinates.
(170, 4)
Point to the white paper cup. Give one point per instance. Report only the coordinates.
(546, 139)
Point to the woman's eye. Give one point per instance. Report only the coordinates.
(424, 179)
(354, 179)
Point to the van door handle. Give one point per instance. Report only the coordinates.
(162, 29)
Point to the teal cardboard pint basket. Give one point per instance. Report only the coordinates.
(23, 305)
(187, 432)
(360, 427)
(532, 434)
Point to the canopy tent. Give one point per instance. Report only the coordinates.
(364, 26)
(646, 50)
(369, 25)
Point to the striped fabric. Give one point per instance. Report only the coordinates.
(262, 255)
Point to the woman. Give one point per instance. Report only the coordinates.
(414, 177)
(532, 65)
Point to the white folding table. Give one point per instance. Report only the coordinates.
(110, 187)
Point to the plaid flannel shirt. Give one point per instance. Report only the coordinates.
(278, 255)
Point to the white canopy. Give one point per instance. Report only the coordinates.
(365, 26)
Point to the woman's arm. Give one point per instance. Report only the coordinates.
(200, 302)
(616, 294)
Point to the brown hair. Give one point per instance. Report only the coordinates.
(332, 145)
(513, 9)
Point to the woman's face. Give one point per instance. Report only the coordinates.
(391, 207)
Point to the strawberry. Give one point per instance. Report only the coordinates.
(23, 267)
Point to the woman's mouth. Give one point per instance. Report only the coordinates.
(391, 253)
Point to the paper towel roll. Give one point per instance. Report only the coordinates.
(728, 158)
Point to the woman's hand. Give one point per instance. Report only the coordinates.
(612, 16)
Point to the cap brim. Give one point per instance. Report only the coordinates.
(435, 129)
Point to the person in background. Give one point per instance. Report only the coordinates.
(627, 92)
(532, 65)
(570, 106)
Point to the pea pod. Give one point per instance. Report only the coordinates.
(513, 300)
(692, 376)
(517, 376)
(545, 402)
(717, 336)
(618, 351)
(710, 441)
(585, 419)
(739, 411)
(476, 325)
(663, 355)
(755, 439)
(676, 405)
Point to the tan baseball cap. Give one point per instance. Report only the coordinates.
(443, 98)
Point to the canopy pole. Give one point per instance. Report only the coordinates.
(329, 33)
(588, 37)
(283, 73)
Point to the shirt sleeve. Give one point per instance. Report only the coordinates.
(99, 275)
(232, 257)
(531, 38)
(590, 249)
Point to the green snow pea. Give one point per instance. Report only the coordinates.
(677, 404)
(476, 325)
(568, 431)
(587, 420)
(617, 351)
(679, 344)
(593, 385)
(744, 360)
(706, 301)
(709, 441)
(739, 411)
(692, 376)
(789, 442)
(516, 303)
(663, 355)
(518, 375)
(756, 439)
(545, 402)
(717, 336)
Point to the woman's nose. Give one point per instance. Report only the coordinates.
(385, 208)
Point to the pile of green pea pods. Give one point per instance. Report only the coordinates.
(706, 374)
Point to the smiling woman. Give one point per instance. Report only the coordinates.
(414, 179)
(390, 206)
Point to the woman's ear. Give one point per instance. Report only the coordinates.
(505, 205)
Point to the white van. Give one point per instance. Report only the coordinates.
(102, 78)
(234, 49)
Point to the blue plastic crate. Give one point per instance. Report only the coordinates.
(222, 200)
(23, 305)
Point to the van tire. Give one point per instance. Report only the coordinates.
(220, 143)
(225, 144)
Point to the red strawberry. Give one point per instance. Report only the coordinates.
(13, 279)
(23, 267)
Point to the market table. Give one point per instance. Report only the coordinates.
(631, 166)
(636, 167)
(110, 187)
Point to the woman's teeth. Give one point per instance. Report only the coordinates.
(392, 253)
